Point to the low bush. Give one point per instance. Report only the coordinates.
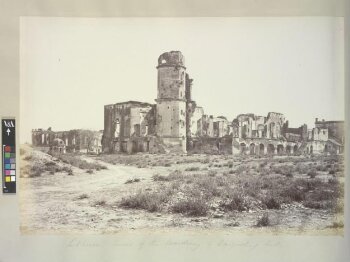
(83, 196)
(312, 174)
(191, 207)
(151, 202)
(272, 203)
(230, 164)
(193, 168)
(293, 193)
(160, 178)
(235, 202)
(130, 181)
(263, 221)
(331, 172)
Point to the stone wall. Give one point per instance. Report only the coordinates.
(335, 129)
(210, 145)
(124, 120)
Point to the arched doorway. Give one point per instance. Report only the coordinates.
(261, 149)
(280, 149)
(270, 149)
(242, 148)
(295, 149)
(261, 130)
(288, 149)
(252, 149)
(326, 148)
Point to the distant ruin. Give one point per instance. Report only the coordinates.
(77, 140)
(176, 124)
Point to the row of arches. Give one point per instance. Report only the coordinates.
(270, 149)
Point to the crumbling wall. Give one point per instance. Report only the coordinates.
(320, 134)
(274, 124)
(335, 129)
(220, 127)
(124, 120)
(205, 126)
(210, 145)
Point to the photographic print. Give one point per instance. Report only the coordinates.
(231, 124)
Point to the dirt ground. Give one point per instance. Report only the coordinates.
(88, 202)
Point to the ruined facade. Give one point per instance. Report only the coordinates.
(262, 135)
(129, 127)
(272, 135)
(77, 140)
(335, 129)
(325, 137)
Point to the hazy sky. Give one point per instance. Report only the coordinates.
(72, 67)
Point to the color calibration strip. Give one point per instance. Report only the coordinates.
(8, 155)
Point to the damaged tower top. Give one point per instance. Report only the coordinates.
(172, 58)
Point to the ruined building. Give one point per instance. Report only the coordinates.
(162, 127)
(175, 123)
(326, 136)
(272, 135)
(262, 135)
(77, 140)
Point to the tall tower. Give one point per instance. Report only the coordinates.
(171, 100)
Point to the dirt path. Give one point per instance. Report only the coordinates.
(51, 202)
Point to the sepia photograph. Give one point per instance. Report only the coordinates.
(182, 124)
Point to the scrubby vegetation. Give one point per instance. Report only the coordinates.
(209, 190)
(242, 185)
(151, 202)
(36, 166)
(36, 163)
(74, 160)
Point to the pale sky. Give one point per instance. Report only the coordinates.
(72, 67)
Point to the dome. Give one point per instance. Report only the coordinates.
(172, 58)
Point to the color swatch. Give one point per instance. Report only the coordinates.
(8, 155)
(10, 169)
